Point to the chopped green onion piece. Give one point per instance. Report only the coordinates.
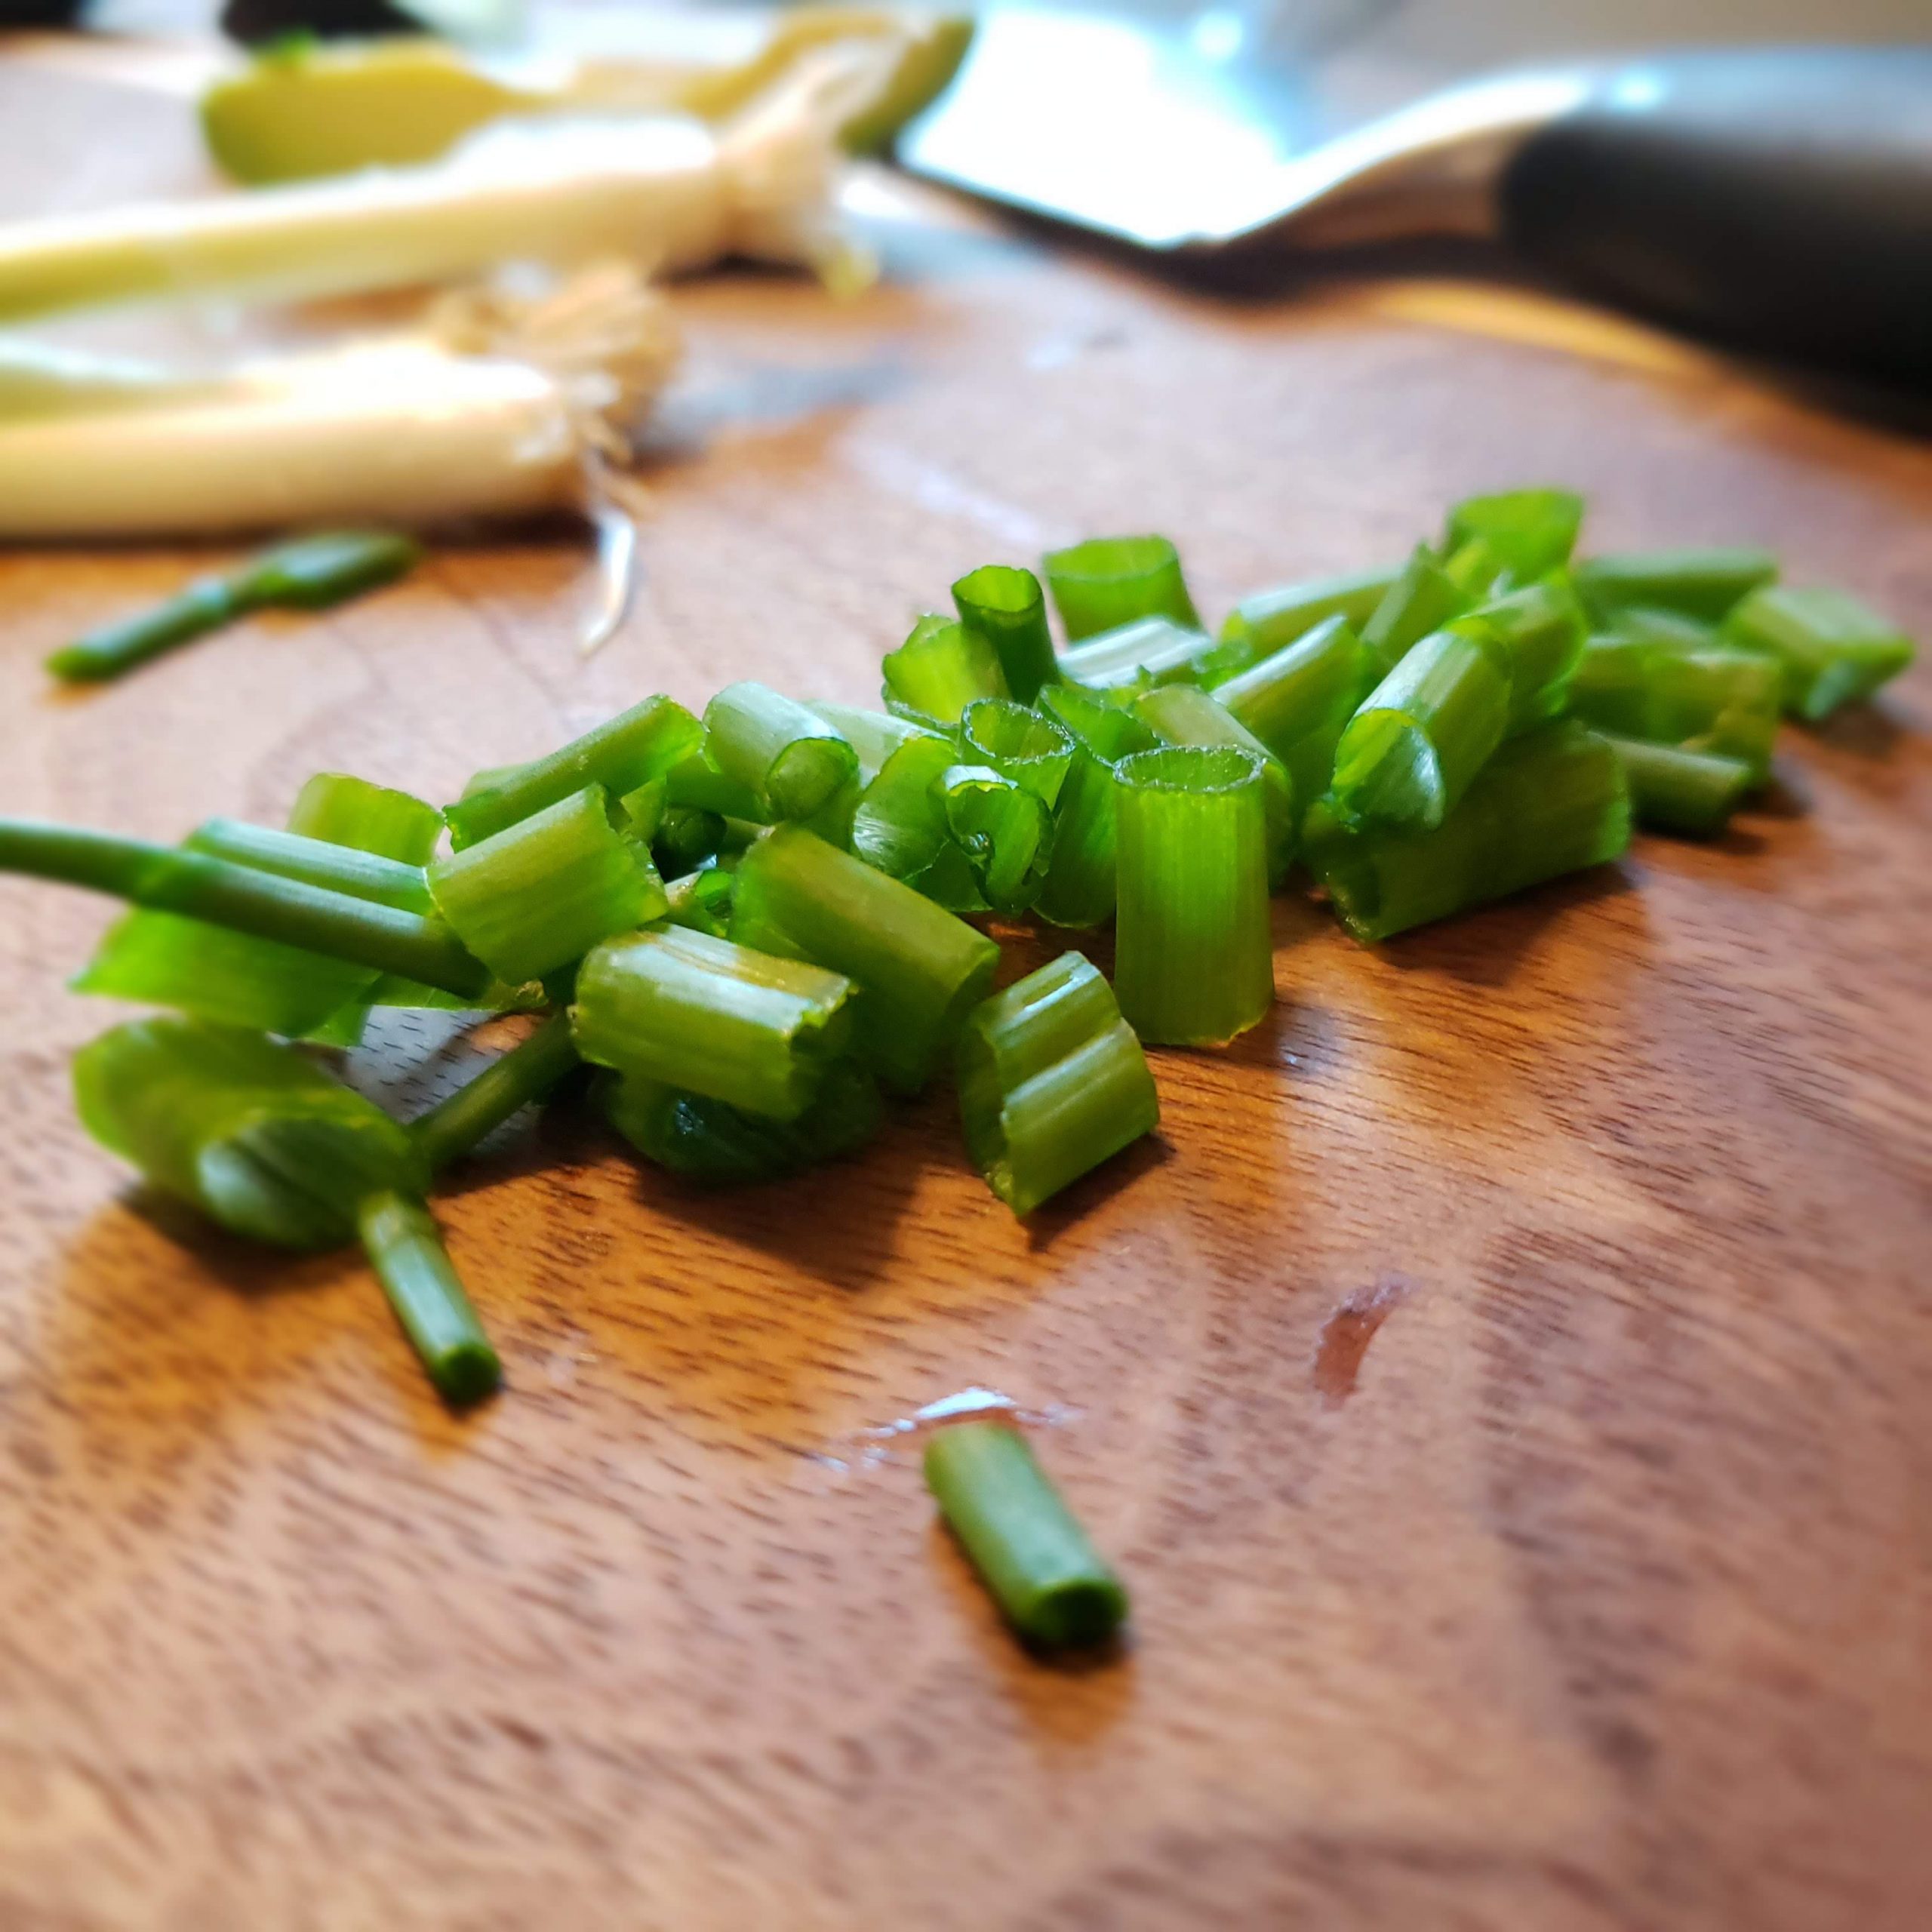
(680, 1007)
(901, 825)
(644, 808)
(347, 810)
(1298, 702)
(1079, 887)
(513, 1081)
(702, 901)
(544, 891)
(1478, 570)
(228, 894)
(792, 762)
(1531, 530)
(1831, 647)
(314, 572)
(1180, 714)
(621, 754)
(1004, 605)
(1029, 746)
(1552, 801)
(1194, 957)
(405, 1248)
(1674, 790)
(1537, 635)
(309, 575)
(1261, 625)
(1723, 702)
(1704, 584)
(708, 1140)
(315, 862)
(1005, 831)
(874, 735)
(1420, 602)
(1664, 630)
(940, 669)
(920, 970)
(1109, 581)
(1052, 1082)
(257, 1137)
(204, 606)
(1035, 1559)
(1148, 651)
(696, 783)
(686, 836)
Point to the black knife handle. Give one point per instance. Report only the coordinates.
(1779, 198)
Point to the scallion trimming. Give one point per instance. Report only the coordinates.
(1034, 1558)
(1419, 602)
(1720, 701)
(1006, 607)
(1079, 889)
(1531, 530)
(1181, 715)
(526, 1073)
(405, 1248)
(1193, 952)
(1675, 790)
(790, 760)
(1004, 830)
(1052, 1082)
(1831, 647)
(941, 668)
(1706, 584)
(1260, 625)
(1109, 581)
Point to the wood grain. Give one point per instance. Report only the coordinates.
(1600, 1605)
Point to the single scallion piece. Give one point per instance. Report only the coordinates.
(621, 754)
(1180, 714)
(1298, 701)
(1194, 956)
(1004, 830)
(1706, 584)
(405, 1248)
(1675, 790)
(1052, 1082)
(1006, 607)
(1663, 630)
(513, 1081)
(253, 1134)
(644, 806)
(901, 825)
(921, 971)
(873, 735)
(686, 836)
(364, 875)
(696, 783)
(1109, 581)
(224, 893)
(1531, 530)
(544, 890)
(708, 1140)
(1536, 634)
(310, 574)
(348, 810)
(1030, 747)
(1720, 701)
(1831, 647)
(1552, 801)
(1261, 625)
(1419, 603)
(1148, 651)
(680, 1007)
(792, 763)
(1478, 570)
(702, 901)
(1032, 1555)
(940, 669)
(1078, 890)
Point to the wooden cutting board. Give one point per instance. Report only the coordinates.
(1601, 1602)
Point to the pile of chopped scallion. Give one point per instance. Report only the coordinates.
(750, 924)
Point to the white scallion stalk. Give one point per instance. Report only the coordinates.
(666, 193)
(500, 408)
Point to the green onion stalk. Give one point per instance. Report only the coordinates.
(920, 970)
(1052, 1082)
(1261, 625)
(1005, 606)
(1720, 701)
(1532, 531)
(940, 669)
(1298, 701)
(1554, 800)
(1034, 1559)
(903, 824)
(1004, 829)
(1831, 647)
(1194, 954)
(527, 1074)
(1419, 603)
(1148, 652)
(311, 574)
(702, 901)
(625, 751)
(1110, 581)
(1675, 790)
(709, 1141)
(532, 898)
(791, 761)
(691, 1011)
(1181, 715)
(1079, 887)
(199, 886)
(1704, 584)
